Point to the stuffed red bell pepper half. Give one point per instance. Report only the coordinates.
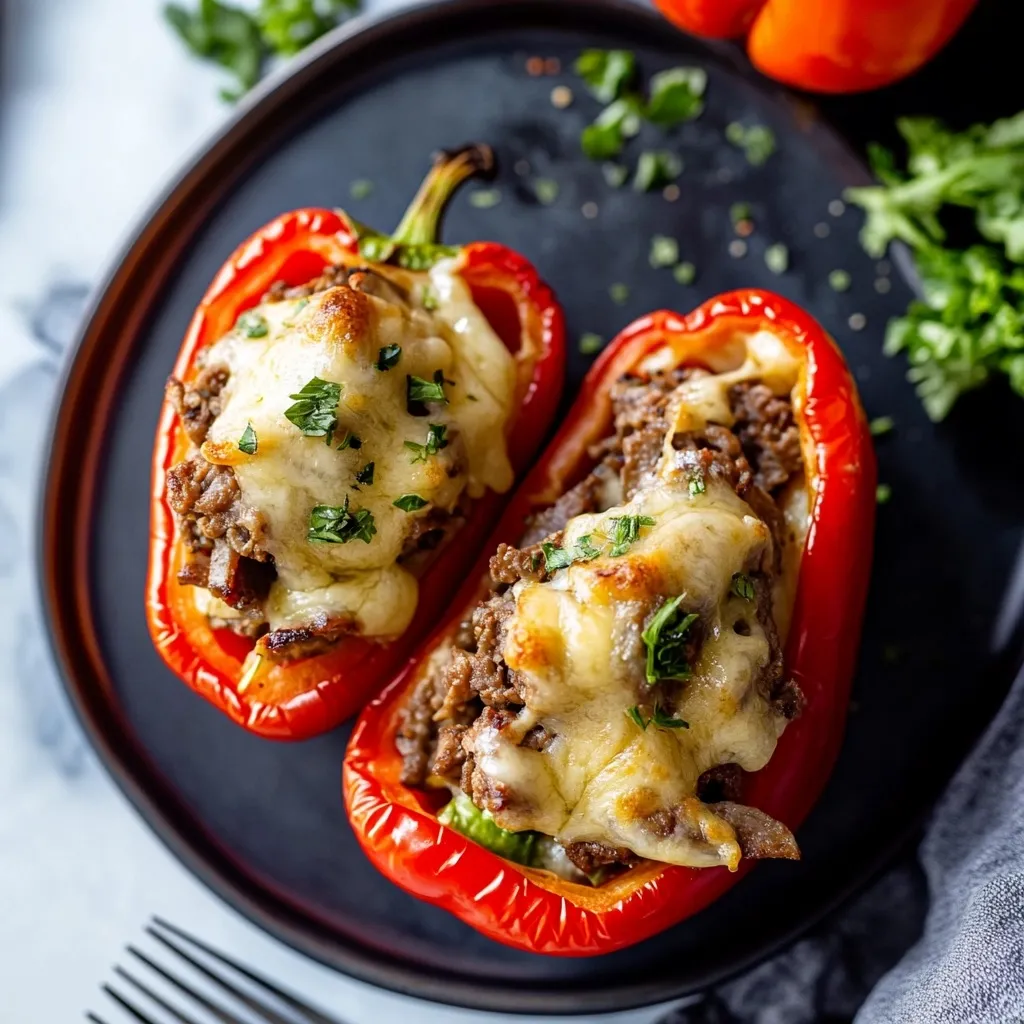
(346, 412)
(645, 690)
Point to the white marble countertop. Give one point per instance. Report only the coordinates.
(100, 104)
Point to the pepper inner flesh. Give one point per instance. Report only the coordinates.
(603, 705)
(306, 523)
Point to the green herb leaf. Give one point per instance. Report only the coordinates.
(247, 442)
(365, 475)
(387, 357)
(360, 189)
(289, 26)
(584, 550)
(484, 198)
(332, 524)
(435, 442)
(684, 272)
(590, 343)
(635, 716)
(881, 425)
(676, 96)
(462, 815)
(664, 252)
(883, 493)
(742, 586)
(776, 258)
(606, 72)
(252, 324)
(627, 532)
(315, 411)
(410, 502)
(350, 440)
(757, 141)
(665, 640)
(619, 121)
(555, 557)
(839, 280)
(546, 190)
(656, 168)
(420, 390)
(619, 293)
(739, 212)
(696, 485)
(663, 720)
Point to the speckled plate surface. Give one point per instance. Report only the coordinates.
(262, 823)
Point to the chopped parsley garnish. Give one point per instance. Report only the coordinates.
(546, 190)
(665, 640)
(388, 356)
(883, 492)
(742, 586)
(365, 475)
(435, 442)
(350, 440)
(584, 551)
(590, 343)
(676, 96)
(656, 168)
(619, 121)
(315, 411)
(420, 390)
(627, 532)
(696, 485)
(739, 212)
(684, 272)
(484, 198)
(606, 72)
(428, 300)
(252, 324)
(555, 557)
(619, 293)
(247, 442)
(360, 189)
(410, 502)
(881, 425)
(332, 524)
(664, 252)
(615, 175)
(839, 281)
(776, 258)
(661, 718)
(757, 141)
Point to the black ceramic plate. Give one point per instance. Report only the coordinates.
(262, 823)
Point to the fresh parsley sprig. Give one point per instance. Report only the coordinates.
(339, 524)
(627, 532)
(665, 639)
(436, 440)
(315, 411)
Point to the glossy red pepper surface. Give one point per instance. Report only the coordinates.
(830, 46)
(535, 910)
(299, 699)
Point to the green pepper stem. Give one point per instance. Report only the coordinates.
(421, 224)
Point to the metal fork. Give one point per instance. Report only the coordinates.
(287, 1008)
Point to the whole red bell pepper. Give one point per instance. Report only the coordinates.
(828, 45)
(302, 698)
(536, 910)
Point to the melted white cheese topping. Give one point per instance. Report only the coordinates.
(336, 336)
(575, 641)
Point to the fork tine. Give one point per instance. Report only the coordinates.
(264, 1011)
(312, 1015)
(156, 997)
(130, 1007)
(225, 1016)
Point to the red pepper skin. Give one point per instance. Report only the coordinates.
(307, 697)
(831, 46)
(531, 909)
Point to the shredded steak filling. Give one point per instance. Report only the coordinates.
(224, 538)
(756, 457)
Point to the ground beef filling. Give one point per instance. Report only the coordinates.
(757, 457)
(224, 538)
